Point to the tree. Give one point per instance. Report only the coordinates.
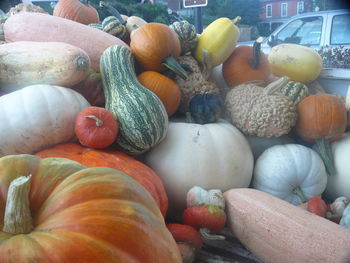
(248, 10)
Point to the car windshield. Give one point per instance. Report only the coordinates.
(304, 31)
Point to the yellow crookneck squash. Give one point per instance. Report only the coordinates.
(219, 38)
(56, 210)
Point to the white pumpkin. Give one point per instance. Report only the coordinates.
(38, 116)
(339, 183)
(212, 156)
(281, 169)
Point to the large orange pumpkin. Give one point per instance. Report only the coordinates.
(77, 10)
(165, 88)
(77, 214)
(116, 160)
(246, 64)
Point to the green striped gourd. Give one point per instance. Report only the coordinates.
(113, 26)
(187, 35)
(142, 116)
(296, 91)
(96, 25)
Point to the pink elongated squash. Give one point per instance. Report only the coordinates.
(279, 232)
(27, 26)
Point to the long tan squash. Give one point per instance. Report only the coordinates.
(28, 62)
(279, 232)
(28, 26)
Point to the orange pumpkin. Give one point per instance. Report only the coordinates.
(322, 118)
(165, 88)
(77, 10)
(116, 160)
(156, 47)
(69, 213)
(246, 64)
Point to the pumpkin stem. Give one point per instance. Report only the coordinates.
(205, 233)
(297, 191)
(171, 63)
(114, 12)
(276, 85)
(99, 122)
(17, 219)
(323, 148)
(255, 62)
(207, 64)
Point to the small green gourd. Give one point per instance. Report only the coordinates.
(187, 35)
(296, 91)
(113, 26)
(141, 115)
(206, 108)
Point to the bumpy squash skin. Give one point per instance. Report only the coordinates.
(142, 116)
(220, 39)
(28, 62)
(299, 63)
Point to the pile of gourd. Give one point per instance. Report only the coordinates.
(175, 109)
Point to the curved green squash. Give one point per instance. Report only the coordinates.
(141, 115)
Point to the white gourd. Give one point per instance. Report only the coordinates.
(38, 116)
(282, 169)
(197, 196)
(339, 183)
(212, 156)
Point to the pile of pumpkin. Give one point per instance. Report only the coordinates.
(119, 119)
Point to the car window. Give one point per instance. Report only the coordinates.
(340, 32)
(303, 31)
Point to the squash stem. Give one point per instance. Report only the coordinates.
(255, 62)
(98, 121)
(297, 191)
(323, 148)
(111, 10)
(17, 219)
(205, 233)
(171, 63)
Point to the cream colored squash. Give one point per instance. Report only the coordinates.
(212, 156)
(38, 116)
(339, 183)
(299, 63)
(287, 170)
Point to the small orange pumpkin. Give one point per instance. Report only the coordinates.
(77, 10)
(246, 64)
(156, 47)
(165, 88)
(116, 160)
(321, 118)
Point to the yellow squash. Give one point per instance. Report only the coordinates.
(299, 63)
(219, 38)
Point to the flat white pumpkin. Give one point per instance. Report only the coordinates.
(212, 156)
(38, 116)
(339, 183)
(281, 169)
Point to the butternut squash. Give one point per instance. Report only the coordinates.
(28, 62)
(277, 231)
(28, 26)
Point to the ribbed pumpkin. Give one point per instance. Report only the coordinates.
(165, 88)
(322, 118)
(156, 47)
(206, 108)
(116, 160)
(187, 35)
(65, 212)
(246, 64)
(76, 10)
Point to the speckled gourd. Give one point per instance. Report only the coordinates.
(187, 35)
(196, 83)
(259, 111)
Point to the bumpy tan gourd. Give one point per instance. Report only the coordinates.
(195, 83)
(260, 111)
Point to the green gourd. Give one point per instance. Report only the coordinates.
(142, 116)
(295, 91)
(113, 26)
(187, 35)
(206, 108)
